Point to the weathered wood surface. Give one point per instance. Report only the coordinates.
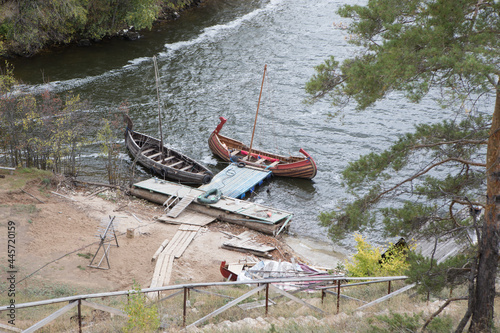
(160, 249)
(228, 305)
(225, 216)
(172, 250)
(252, 210)
(188, 216)
(386, 297)
(52, 317)
(9, 328)
(179, 208)
(246, 241)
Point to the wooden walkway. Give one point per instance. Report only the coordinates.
(170, 250)
(249, 210)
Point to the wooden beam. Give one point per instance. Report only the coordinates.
(386, 297)
(228, 305)
(104, 308)
(10, 328)
(50, 318)
(296, 299)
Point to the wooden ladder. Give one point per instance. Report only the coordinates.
(179, 208)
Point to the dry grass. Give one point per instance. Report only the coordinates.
(285, 316)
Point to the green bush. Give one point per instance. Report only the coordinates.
(367, 261)
(142, 317)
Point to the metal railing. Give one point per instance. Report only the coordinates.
(317, 283)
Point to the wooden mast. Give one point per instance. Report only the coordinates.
(158, 98)
(257, 113)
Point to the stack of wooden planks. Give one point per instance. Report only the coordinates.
(245, 242)
(170, 250)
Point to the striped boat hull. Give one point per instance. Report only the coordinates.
(231, 150)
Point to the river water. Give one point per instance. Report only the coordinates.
(211, 62)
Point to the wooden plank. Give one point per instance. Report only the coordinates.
(158, 269)
(172, 247)
(104, 308)
(228, 305)
(189, 166)
(180, 206)
(147, 151)
(245, 241)
(186, 243)
(257, 304)
(386, 297)
(10, 327)
(155, 155)
(167, 271)
(188, 217)
(175, 164)
(160, 249)
(173, 243)
(166, 159)
(187, 238)
(296, 299)
(52, 317)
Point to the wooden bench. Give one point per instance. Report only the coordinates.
(147, 151)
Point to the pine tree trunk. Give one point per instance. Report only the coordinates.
(483, 305)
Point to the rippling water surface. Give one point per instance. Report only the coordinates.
(211, 62)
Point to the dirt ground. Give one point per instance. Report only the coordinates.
(57, 235)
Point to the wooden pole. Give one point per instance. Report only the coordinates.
(267, 298)
(338, 296)
(184, 310)
(80, 316)
(158, 98)
(257, 113)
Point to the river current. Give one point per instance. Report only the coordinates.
(211, 62)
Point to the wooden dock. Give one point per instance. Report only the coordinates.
(255, 216)
(236, 182)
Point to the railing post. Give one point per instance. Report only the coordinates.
(338, 296)
(80, 316)
(267, 298)
(389, 287)
(185, 306)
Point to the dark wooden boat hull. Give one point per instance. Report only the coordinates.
(231, 150)
(170, 164)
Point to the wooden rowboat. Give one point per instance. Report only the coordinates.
(166, 162)
(231, 150)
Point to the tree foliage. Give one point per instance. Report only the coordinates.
(428, 194)
(45, 132)
(27, 26)
(414, 47)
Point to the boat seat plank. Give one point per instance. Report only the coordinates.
(148, 151)
(274, 164)
(166, 159)
(235, 152)
(189, 166)
(155, 155)
(175, 164)
(260, 161)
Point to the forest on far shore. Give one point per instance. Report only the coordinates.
(27, 27)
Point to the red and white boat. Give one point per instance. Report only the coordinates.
(231, 150)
